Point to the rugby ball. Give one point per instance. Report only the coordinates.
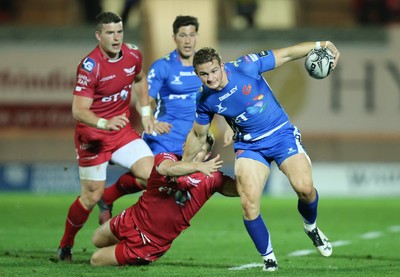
(319, 63)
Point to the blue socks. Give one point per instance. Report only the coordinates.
(259, 234)
(308, 210)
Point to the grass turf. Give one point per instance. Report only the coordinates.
(367, 229)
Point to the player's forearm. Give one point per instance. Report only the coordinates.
(193, 144)
(295, 52)
(141, 90)
(182, 168)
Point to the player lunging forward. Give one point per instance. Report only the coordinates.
(263, 133)
(142, 233)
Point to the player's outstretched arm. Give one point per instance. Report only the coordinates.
(182, 168)
(287, 54)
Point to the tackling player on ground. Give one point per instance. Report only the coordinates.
(173, 85)
(101, 106)
(263, 133)
(142, 234)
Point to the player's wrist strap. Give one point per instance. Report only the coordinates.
(102, 123)
(145, 110)
(317, 45)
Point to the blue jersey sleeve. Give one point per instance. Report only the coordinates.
(157, 74)
(257, 63)
(204, 114)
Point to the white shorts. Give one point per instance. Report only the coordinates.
(126, 156)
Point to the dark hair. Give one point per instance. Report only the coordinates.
(205, 55)
(210, 140)
(106, 18)
(184, 20)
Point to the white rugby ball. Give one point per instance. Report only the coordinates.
(319, 63)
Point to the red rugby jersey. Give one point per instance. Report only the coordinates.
(165, 209)
(108, 82)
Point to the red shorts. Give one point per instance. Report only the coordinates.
(95, 146)
(134, 247)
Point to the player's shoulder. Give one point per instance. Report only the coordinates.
(132, 46)
(160, 157)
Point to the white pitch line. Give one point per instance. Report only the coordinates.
(372, 235)
(394, 229)
(246, 266)
(305, 252)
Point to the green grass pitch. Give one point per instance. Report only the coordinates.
(365, 234)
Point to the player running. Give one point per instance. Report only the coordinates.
(101, 104)
(142, 234)
(263, 133)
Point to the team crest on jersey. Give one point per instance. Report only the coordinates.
(88, 64)
(130, 71)
(246, 89)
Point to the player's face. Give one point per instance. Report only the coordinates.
(203, 154)
(212, 75)
(110, 39)
(185, 41)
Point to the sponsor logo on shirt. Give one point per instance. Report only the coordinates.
(178, 96)
(107, 78)
(88, 64)
(226, 95)
(83, 80)
(253, 57)
(263, 54)
(186, 73)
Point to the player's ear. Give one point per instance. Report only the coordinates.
(97, 34)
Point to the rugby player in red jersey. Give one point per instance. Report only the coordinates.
(176, 191)
(103, 134)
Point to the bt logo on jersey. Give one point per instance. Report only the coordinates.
(123, 95)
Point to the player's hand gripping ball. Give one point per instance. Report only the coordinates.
(319, 63)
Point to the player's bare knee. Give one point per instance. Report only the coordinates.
(94, 260)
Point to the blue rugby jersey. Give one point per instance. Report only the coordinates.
(174, 86)
(246, 102)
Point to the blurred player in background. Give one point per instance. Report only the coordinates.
(263, 133)
(173, 85)
(103, 132)
(175, 192)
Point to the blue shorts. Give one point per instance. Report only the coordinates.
(277, 147)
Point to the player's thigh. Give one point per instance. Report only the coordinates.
(135, 156)
(104, 256)
(103, 236)
(251, 176)
(298, 170)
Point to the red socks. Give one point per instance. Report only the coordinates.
(126, 184)
(76, 218)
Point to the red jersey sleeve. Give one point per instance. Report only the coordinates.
(215, 182)
(86, 78)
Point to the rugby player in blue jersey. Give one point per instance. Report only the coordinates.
(263, 133)
(173, 85)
